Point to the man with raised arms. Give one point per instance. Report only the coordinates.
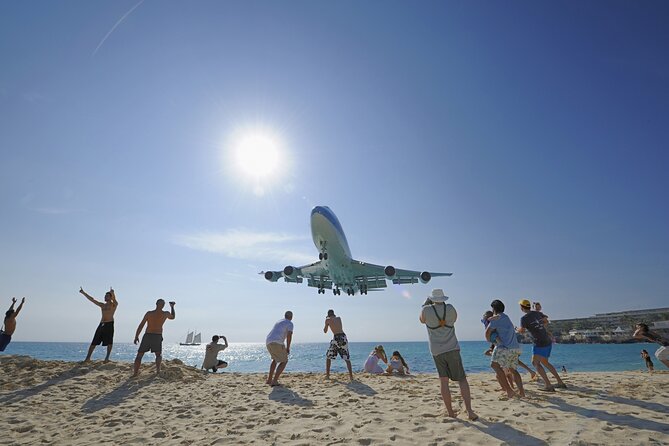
(153, 338)
(338, 345)
(10, 324)
(104, 334)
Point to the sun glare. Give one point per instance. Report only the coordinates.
(257, 154)
(258, 158)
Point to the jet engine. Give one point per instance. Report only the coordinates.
(290, 272)
(272, 276)
(425, 277)
(390, 272)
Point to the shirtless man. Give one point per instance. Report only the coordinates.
(10, 324)
(338, 345)
(153, 338)
(104, 334)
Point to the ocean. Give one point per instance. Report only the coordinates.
(310, 357)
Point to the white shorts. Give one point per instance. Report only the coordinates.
(662, 353)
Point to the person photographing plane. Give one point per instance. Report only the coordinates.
(211, 361)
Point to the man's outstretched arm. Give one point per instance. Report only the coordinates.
(113, 297)
(141, 327)
(18, 310)
(172, 314)
(11, 307)
(89, 297)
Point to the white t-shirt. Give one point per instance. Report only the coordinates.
(211, 355)
(279, 332)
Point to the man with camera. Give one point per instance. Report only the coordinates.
(439, 318)
(153, 338)
(211, 360)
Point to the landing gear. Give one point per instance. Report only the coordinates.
(336, 291)
(363, 289)
(350, 292)
(323, 255)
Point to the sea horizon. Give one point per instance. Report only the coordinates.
(252, 357)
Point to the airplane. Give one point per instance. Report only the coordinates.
(336, 269)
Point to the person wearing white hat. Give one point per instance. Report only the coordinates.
(439, 318)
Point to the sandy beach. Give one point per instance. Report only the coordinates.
(55, 402)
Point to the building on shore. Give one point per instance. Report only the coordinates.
(615, 327)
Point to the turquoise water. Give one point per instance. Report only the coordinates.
(310, 357)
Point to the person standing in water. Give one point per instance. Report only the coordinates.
(104, 334)
(153, 338)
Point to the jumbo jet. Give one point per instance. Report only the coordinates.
(336, 268)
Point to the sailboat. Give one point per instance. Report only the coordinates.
(192, 338)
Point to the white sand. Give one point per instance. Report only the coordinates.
(54, 402)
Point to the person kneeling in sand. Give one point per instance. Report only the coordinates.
(372, 362)
(211, 360)
(282, 331)
(153, 338)
(397, 364)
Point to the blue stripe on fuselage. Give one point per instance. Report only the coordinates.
(329, 216)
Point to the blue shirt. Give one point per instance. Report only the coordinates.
(506, 332)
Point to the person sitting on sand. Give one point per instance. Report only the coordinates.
(338, 344)
(662, 353)
(282, 331)
(372, 363)
(397, 364)
(211, 360)
(649, 362)
(507, 350)
(104, 334)
(9, 325)
(439, 319)
(153, 338)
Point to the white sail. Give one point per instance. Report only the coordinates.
(197, 339)
(189, 338)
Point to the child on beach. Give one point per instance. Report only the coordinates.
(372, 363)
(649, 362)
(397, 363)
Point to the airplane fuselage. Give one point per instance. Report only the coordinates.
(329, 238)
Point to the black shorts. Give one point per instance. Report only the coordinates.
(104, 334)
(151, 341)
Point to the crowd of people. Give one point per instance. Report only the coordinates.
(438, 317)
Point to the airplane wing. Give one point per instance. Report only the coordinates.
(315, 274)
(373, 274)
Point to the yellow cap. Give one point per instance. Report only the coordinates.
(524, 303)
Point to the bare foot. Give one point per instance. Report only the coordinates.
(472, 416)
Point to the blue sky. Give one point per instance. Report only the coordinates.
(520, 145)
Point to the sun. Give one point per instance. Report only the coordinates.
(256, 157)
(257, 154)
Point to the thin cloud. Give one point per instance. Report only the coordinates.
(248, 245)
(104, 39)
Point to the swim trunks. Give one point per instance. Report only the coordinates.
(151, 341)
(506, 357)
(542, 351)
(449, 365)
(104, 334)
(5, 339)
(339, 346)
